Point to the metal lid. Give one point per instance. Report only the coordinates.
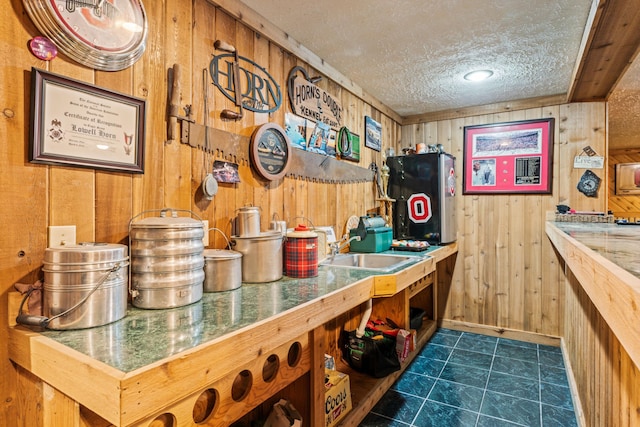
(86, 252)
(249, 209)
(173, 221)
(221, 254)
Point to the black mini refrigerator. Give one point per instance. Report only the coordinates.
(424, 187)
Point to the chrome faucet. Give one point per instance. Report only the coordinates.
(336, 247)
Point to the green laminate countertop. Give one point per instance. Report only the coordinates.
(145, 336)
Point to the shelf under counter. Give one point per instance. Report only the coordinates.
(366, 390)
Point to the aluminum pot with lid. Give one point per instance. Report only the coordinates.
(261, 256)
(248, 221)
(85, 285)
(167, 262)
(222, 270)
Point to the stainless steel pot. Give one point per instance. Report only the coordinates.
(248, 221)
(166, 260)
(95, 271)
(261, 256)
(222, 270)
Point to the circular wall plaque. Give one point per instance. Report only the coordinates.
(106, 35)
(270, 151)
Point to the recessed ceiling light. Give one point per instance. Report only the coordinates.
(476, 76)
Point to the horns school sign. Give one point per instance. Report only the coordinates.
(311, 102)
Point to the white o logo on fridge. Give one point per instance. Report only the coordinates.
(419, 208)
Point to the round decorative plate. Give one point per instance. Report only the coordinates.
(108, 35)
(270, 151)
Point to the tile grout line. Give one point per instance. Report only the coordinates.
(539, 383)
(486, 384)
(436, 380)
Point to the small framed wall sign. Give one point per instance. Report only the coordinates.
(627, 179)
(77, 124)
(513, 157)
(372, 134)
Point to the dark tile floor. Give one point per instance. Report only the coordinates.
(461, 379)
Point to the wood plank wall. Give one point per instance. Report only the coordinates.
(626, 206)
(507, 274)
(101, 204)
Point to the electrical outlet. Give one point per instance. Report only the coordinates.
(62, 235)
(205, 239)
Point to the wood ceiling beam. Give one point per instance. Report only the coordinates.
(611, 46)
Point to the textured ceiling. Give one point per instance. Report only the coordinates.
(412, 54)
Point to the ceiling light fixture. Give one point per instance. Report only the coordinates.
(478, 75)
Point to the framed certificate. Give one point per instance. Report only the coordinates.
(76, 124)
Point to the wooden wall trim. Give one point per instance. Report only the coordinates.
(500, 107)
(492, 331)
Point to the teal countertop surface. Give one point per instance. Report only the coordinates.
(619, 244)
(146, 336)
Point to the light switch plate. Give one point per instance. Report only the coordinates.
(62, 235)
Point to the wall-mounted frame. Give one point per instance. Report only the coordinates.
(508, 158)
(270, 151)
(77, 124)
(372, 134)
(627, 179)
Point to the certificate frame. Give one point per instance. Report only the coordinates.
(73, 123)
(509, 158)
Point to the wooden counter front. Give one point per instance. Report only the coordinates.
(611, 287)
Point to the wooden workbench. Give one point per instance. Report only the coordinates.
(215, 379)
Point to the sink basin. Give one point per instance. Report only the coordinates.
(368, 261)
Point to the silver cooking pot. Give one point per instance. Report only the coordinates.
(261, 256)
(85, 285)
(222, 270)
(248, 221)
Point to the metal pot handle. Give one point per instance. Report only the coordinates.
(303, 217)
(223, 235)
(163, 212)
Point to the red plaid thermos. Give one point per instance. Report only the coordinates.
(301, 252)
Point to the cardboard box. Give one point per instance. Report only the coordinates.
(403, 344)
(337, 397)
